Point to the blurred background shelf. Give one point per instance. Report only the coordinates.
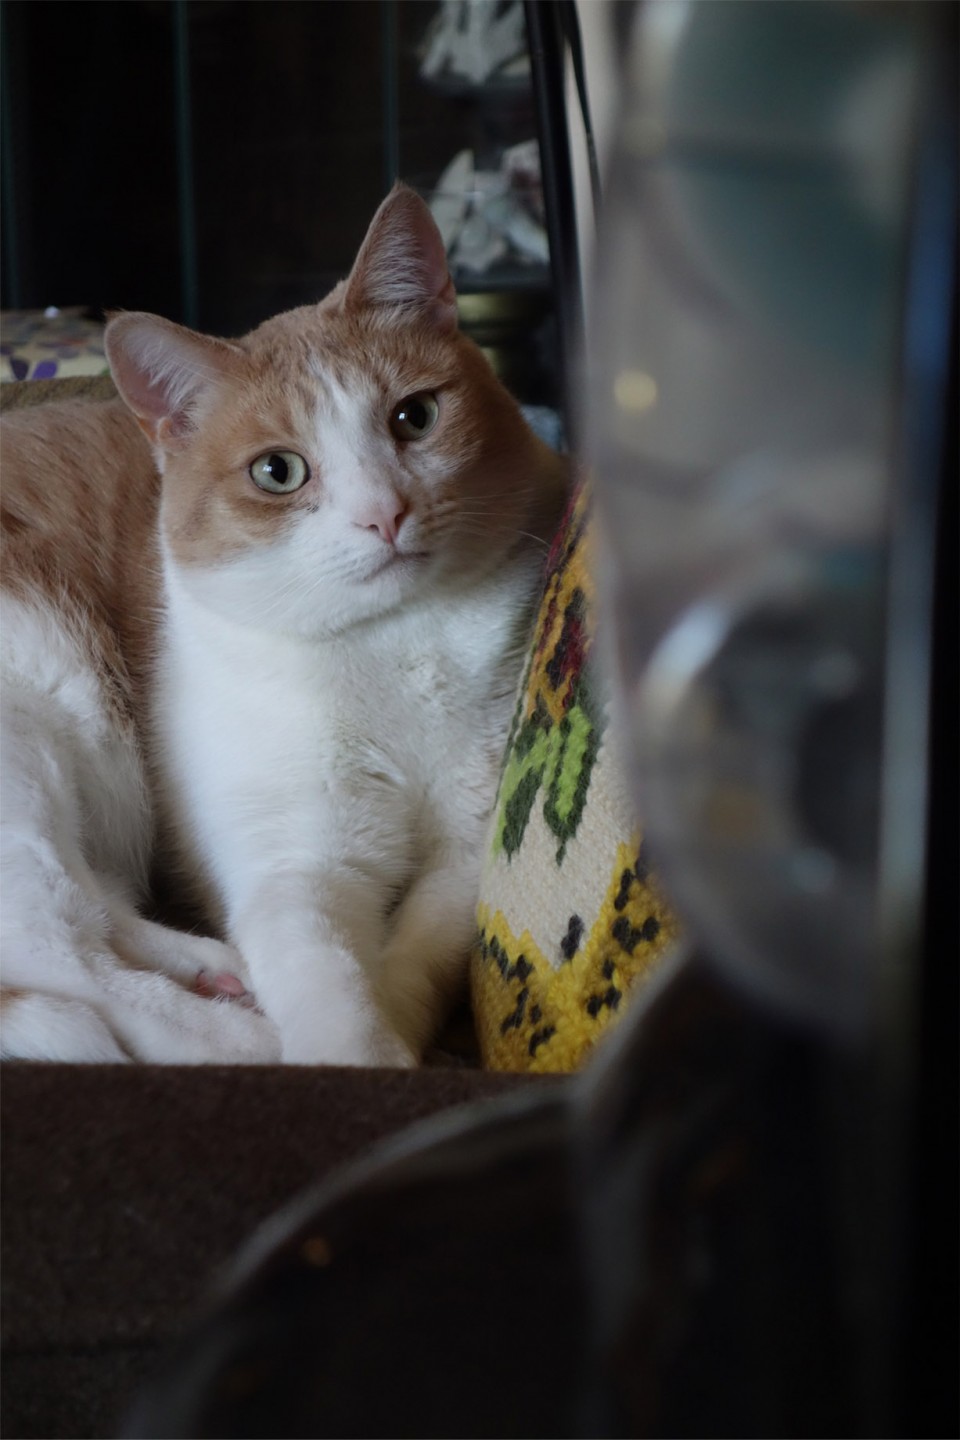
(217, 161)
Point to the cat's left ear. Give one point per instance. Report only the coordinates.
(402, 262)
(163, 371)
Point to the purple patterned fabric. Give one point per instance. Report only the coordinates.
(41, 345)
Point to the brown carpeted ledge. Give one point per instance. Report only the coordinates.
(125, 1189)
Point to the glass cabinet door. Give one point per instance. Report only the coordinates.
(231, 166)
(466, 129)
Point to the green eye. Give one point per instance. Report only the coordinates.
(280, 472)
(415, 416)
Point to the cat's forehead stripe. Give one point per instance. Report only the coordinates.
(349, 375)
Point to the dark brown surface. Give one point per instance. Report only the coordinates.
(125, 1189)
(438, 1293)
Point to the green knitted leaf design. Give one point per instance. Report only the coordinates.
(557, 726)
(556, 758)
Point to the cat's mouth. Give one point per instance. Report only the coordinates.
(406, 559)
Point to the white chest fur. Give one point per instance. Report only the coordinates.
(336, 772)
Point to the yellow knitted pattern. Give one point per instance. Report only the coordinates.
(569, 920)
(531, 1016)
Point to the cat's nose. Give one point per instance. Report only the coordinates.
(385, 519)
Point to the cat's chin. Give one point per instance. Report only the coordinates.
(394, 583)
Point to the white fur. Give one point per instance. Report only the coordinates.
(324, 780)
(103, 983)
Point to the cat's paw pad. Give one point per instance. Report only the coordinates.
(223, 985)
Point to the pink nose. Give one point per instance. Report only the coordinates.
(386, 519)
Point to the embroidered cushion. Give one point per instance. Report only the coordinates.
(570, 921)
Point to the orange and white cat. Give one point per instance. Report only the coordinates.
(263, 617)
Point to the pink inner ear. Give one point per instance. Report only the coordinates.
(161, 369)
(402, 262)
(145, 393)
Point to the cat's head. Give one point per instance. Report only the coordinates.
(343, 457)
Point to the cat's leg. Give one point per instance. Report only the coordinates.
(45, 1027)
(57, 928)
(210, 966)
(83, 1001)
(160, 1022)
(424, 960)
(302, 936)
(62, 955)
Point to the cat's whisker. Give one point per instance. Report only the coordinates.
(491, 530)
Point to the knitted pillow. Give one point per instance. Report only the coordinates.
(569, 918)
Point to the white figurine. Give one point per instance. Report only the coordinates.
(470, 39)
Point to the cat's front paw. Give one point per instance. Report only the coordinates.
(390, 1051)
(353, 1040)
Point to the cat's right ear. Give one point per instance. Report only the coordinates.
(402, 263)
(162, 371)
